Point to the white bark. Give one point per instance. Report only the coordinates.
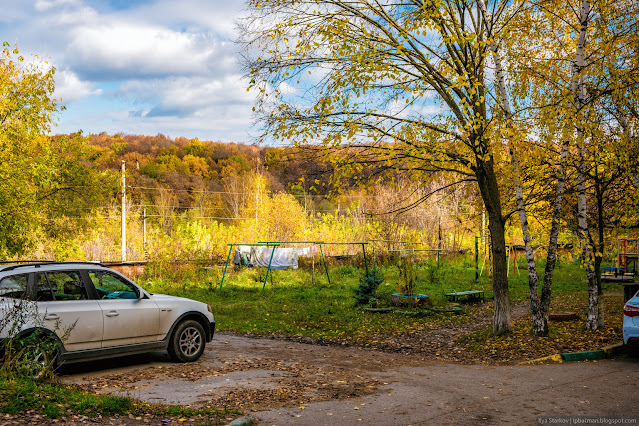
(579, 95)
(551, 257)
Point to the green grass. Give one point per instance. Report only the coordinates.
(52, 400)
(297, 304)
(19, 394)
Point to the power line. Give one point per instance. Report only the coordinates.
(201, 191)
(168, 216)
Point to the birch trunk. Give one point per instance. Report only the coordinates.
(539, 314)
(599, 251)
(551, 256)
(579, 94)
(592, 321)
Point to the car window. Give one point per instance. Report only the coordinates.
(14, 286)
(110, 286)
(43, 289)
(67, 285)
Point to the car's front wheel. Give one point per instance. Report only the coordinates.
(187, 342)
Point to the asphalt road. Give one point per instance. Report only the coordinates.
(286, 383)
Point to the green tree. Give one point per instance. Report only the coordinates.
(26, 105)
(26, 89)
(47, 184)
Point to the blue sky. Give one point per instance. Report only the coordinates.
(139, 66)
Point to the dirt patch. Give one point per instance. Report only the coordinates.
(267, 375)
(300, 384)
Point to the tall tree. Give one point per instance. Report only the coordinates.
(538, 306)
(43, 180)
(410, 76)
(26, 105)
(539, 303)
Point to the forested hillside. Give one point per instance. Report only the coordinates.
(188, 199)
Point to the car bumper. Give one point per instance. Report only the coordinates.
(630, 333)
(631, 341)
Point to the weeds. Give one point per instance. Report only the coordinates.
(32, 354)
(408, 276)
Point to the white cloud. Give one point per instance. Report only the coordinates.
(126, 50)
(44, 5)
(183, 97)
(401, 109)
(430, 109)
(286, 88)
(69, 87)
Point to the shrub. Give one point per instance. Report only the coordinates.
(408, 276)
(367, 286)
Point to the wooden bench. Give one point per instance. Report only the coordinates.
(469, 295)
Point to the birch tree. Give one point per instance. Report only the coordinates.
(561, 82)
(539, 306)
(405, 81)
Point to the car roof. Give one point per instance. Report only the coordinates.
(47, 266)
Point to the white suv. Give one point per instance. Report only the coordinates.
(95, 312)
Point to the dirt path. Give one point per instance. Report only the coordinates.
(282, 382)
(249, 374)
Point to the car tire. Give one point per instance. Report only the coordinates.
(632, 351)
(188, 341)
(40, 356)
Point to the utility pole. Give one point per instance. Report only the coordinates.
(439, 240)
(144, 233)
(123, 248)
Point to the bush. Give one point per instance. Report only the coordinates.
(407, 275)
(32, 356)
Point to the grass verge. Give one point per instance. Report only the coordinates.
(25, 399)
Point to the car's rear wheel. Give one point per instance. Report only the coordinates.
(632, 351)
(188, 341)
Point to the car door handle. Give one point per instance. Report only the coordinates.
(112, 314)
(51, 317)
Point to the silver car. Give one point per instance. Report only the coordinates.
(95, 312)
